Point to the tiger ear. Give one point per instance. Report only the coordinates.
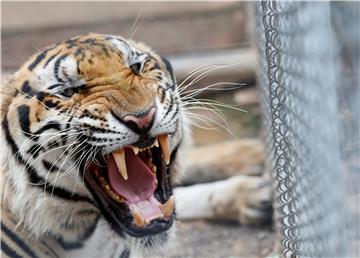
(168, 67)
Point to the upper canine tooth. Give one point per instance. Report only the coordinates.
(168, 208)
(135, 149)
(156, 143)
(164, 141)
(119, 157)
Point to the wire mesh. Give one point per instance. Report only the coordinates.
(310, 91)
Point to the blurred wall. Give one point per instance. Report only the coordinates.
(169, 27)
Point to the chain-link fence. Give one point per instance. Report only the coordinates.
(309, 56)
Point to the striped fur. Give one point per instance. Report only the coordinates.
(17, 241)
(58, 110)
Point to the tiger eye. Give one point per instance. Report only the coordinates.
(68, 92)
(136, 68)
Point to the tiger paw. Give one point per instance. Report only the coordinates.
(255, 201)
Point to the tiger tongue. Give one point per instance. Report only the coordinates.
(138, 189)
(141, 182)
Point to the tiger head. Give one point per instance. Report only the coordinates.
(93, 127)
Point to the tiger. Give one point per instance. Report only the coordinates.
(94, 135)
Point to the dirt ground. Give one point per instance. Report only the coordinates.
(204, 239)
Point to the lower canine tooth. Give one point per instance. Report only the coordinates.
(164, 142)
(138, 218)
(135, 149)
(168, 208)
(154, 169)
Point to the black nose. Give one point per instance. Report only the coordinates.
(140, 122)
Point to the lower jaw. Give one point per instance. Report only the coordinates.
(153, 245)
(154, 228)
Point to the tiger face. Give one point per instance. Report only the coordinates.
(95, 127)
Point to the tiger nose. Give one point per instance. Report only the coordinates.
(140, 122)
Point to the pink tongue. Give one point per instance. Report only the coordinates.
(139, 188)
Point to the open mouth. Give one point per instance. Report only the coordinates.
(132, 187)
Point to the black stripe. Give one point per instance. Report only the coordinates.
(50, 125)
(41, 95)
(171, 106)
(163, 95)
(27, 90)
(169, 68)
(7, 250)
(56, 67)
(55, 86)
(79, 242)
(44, 243)
(24, 120)
(17, 240)
(175, 151)
(38, 59)
(50, 167)
(51, 58)
(34, 178)
(67, 126)
(175, 112)
(156, 66)
(125, 253)
(50, 104)
(35, 150)
(53, 144)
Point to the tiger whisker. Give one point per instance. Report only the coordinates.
(58, 113)
(22, 146)
(207, 123)
(74, 165)
(225, 127)
(57, 172)
(214, 104)
(90, 158)
(204, 74)
(134, 27)
(30, 163)
(194, 92)
(204, 67)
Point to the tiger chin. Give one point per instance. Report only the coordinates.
(93, 133)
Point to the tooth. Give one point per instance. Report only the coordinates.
(164, 141)
(119, 157)
(135, 149)
(156, 143)
(138, 218)
(97, 173)
(153, 168)
(168, 208)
